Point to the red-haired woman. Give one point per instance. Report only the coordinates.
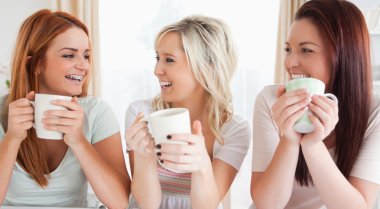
(337, 165)
(52, 56)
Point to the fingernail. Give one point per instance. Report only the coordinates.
(158, 153)
(169, 136)
(158, 146)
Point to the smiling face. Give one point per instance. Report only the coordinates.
(67, 64)
(306, 52)
(177, 81)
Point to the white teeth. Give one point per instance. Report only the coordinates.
(75, 77)
(300, 76)
(165, 83)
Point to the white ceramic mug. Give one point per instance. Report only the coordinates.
(315, 87)
(166, 122)
(42, 103)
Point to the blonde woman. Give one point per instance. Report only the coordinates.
(195, 63)
(53, 56)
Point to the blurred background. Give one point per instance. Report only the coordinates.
(122, 33)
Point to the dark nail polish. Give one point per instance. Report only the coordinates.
(169, 136)
(161, 161)
(158, 153)
(158, 146)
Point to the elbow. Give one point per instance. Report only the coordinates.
(263, 202)
(120, 204)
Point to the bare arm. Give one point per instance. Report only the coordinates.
(8, 153)
(104, 168)
(102, 162)
(218, 183)
(354, 193)
(20, 119)
(146, 187)
(273, 188)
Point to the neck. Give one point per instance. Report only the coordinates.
(197, 108)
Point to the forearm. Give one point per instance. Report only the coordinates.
(274, 187)
(108, 184)
(146, 187)
(204, 191)
(8, 155)
(325, 173)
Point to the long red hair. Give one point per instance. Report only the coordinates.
(34, 38)
(343, 28)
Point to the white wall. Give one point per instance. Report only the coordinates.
(12, 14)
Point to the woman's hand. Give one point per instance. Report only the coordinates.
(288, 108)
(324, 116)
(189, 157)
(69, 122)
(138, 138)
(20, 117)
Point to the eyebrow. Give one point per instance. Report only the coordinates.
(167, 54)
(72, 49)
(304, 43)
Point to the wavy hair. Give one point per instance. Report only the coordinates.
(35, 36)
(211, 55)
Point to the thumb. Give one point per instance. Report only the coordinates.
(197, 128)
(280, 90)
(30, 96)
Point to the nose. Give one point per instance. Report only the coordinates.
(82, 64)
(291, 61)
(159, 69)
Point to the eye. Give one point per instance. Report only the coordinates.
(169, 60)
(86, 56)
(288, 50)
(68, 56)
(305, 50)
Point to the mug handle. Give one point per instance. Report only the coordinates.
(331, 96)
(33, 104)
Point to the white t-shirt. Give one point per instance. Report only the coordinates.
(67, 184)
(176, 187)
(266, 138)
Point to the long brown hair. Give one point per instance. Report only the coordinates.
(344, 30)
(34, 38)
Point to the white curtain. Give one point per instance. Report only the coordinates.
(288, 9)
(87, 12)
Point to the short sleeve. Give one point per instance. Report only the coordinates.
(130, 116)
(101, 120)
(2, 132)
(265, 133)
(237, 138)
(367, 165)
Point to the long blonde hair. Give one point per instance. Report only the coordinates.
(211, 55)
(34, 38)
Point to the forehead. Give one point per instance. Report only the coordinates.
(73, 37)
(169, 41)
(304, 30)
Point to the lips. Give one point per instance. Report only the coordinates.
(165, 84)
(75, 77)
(299, 75)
